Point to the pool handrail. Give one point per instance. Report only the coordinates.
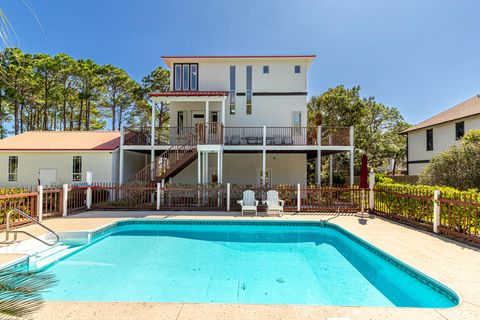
(15, 232)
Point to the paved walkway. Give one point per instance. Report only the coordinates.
(451, 263)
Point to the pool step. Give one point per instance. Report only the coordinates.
(51, 255)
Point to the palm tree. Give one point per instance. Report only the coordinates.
(21, 292)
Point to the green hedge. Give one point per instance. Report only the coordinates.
(414, 204)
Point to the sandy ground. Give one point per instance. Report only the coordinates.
(449, 262)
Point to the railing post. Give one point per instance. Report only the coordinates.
(65, 200)
(351, 135)
(436, 210)
(40, 204)
(228, 196)
(158, 195)
(319, 135)
(161, 193)
(371, 193)
(299, 198)
(89, 189)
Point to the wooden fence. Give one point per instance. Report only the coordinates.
(27, 201)
(413, 206)
(458, 214)
(460, 217)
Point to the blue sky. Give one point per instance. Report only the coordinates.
(420, 56)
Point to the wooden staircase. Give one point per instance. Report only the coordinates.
(179, 155)
(169, 163)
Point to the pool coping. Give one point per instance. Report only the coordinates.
(100, 232)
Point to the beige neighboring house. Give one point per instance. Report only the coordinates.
(434, 135)
(53, 158)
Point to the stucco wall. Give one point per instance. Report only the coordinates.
(29, 164)
(215, 75)
(245, 168)
(266, 110)
(134, 162)
(443, 138)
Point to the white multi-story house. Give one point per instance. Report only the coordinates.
(440, 132)
(237, 119)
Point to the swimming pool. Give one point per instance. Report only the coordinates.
(248, 262)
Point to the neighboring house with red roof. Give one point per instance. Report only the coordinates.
(63, 157)
(440, 132)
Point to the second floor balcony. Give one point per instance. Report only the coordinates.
(216, 133)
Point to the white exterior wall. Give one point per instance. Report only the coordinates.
(134, 162)
(266, 110)
(245, 168)
(443, 138)
(29, 164)
(272, 110)
(215, 74)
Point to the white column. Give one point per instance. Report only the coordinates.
(40, 204)
(264, 157)
(152, 142)
(436, 210)
(371, 196)
(228, 196)
(318, 163)
(89, 178)
(65, 200)
(207, 174)
(318, 167)
(159, 192)
(199, 167)
(218, 167)
(351, 136)
(220, 174)
(207, 111)
(122, 155)
(330, 167)
(299, 198)
(352, 155)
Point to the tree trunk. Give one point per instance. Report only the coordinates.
(15, 117)
(80, 111)
(87, 115)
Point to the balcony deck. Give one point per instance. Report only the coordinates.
(241, 137)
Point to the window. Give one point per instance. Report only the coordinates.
(12, 168)
(77, 168)
(193, 77)
(185, 76)
(266, 69)
(185, 80)
(297, 121)
(459, 130)
(429, 139)
(249, 90)
(178, 77)
(180, 121)
(232, 90)
(297, 69)
(214, 116)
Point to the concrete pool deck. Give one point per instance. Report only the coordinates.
(454, 264)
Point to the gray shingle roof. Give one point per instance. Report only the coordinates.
(465, 109)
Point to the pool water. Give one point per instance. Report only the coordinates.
(248, 263)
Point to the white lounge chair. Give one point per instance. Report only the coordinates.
(273, 203)
(248, 203)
